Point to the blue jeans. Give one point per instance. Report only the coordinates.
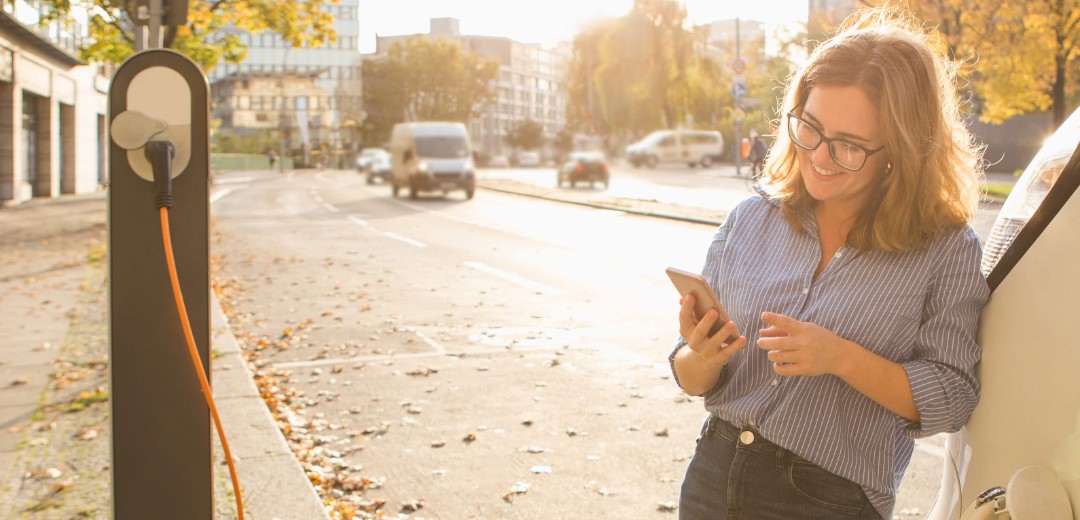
(731, 479)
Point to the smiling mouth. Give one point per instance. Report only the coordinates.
(826, 173)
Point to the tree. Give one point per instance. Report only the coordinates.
(646, 70)
(424, 79)
(1019, 53)
(112, 31)
(528, 135)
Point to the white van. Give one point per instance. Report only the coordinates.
(692, 147)
(431, 157)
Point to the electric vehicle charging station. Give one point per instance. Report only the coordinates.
(1024, 436)
(161, 431)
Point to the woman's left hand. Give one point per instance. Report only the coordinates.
(801, 348)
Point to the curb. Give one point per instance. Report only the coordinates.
(605, 206)
(272, 481)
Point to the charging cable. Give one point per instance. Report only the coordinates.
(160, 154)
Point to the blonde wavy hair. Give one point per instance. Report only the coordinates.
(931, 183)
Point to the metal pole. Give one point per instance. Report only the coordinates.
(157, 11)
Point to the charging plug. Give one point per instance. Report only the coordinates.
(160, 154)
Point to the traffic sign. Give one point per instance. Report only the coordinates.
(739, 114)
(738, 65)
(738, 90)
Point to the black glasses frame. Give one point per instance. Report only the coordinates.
(828, 141)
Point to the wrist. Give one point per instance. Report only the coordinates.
(847, 361)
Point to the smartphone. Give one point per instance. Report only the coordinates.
(704, 298)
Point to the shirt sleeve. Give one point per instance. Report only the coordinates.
(712, 267)
(941, 373)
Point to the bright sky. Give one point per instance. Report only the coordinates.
(549, 21)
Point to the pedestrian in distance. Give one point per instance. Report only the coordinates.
(272, 157)
(853, 286)
(757, 155)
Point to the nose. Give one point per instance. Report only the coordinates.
(821, 157)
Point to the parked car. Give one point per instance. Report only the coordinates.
(528, 159)
(365, 158)
(690, 147)
(588, 167)
(498, 161)
(379, 168)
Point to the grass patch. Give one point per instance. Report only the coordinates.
(96, 254)
(997, 190)
(88, 398)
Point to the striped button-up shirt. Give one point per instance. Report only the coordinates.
(919, 308)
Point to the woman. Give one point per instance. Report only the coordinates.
(855, 278)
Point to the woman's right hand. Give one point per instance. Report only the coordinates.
(710, 349)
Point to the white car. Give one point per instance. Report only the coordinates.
(363, 162)
(528, 159)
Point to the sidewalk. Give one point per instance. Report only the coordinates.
(54, 380)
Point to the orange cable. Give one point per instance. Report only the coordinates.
(195, 358)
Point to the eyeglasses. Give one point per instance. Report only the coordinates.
(844, 153)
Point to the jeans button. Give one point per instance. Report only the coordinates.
(746, 437)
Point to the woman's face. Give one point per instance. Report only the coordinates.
(841, 113)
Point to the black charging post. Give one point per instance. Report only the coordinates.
(161, 430)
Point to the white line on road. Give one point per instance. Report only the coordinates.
(330, 207)
(434, 344)
(407, 240)
(439, 350)
(362, 223)
(512, 278)
(220, 194)
(234, 180)
(359, 221)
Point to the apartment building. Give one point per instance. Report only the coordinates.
(311, 97)
(530, 84)
(53, 107)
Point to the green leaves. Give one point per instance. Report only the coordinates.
(424, 79)
(301, 24)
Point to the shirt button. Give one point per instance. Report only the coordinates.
(775, 382)
(806, 290)
(746, 437)
(839, 254)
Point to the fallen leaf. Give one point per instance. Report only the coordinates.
(518, 489)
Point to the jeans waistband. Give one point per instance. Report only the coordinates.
(749, 439)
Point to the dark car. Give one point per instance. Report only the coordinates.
(588, 167)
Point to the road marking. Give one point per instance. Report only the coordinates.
(234, 180)
(439, 350)
(434, 344)
(362, 223)
(359, 221)
(219, 194)
(330, 207)
(512, 278)
(406, 240)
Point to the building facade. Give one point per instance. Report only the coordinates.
(52, 108)
(307, 98)
(530, 84)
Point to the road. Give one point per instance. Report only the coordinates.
(503, 357)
